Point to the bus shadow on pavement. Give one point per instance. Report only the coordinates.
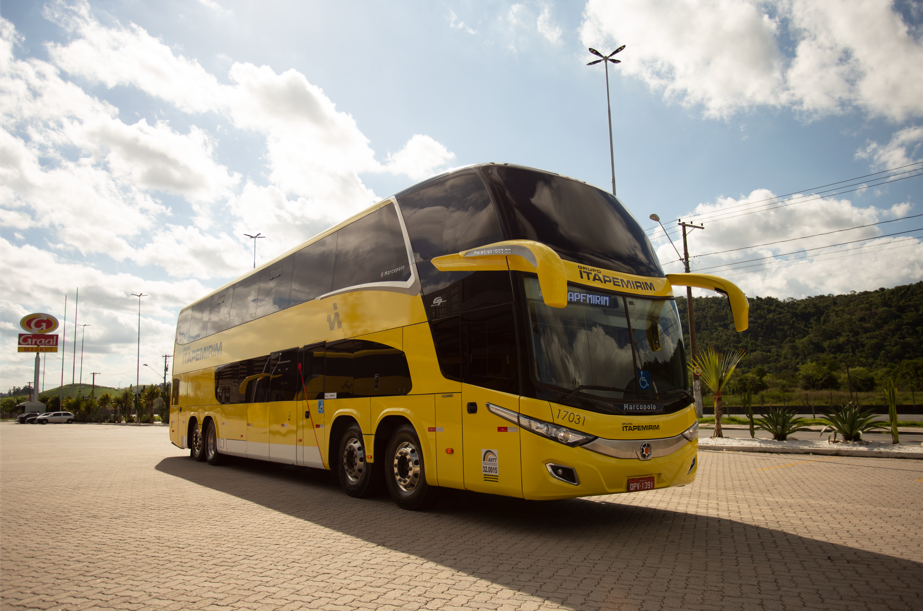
(581, 553)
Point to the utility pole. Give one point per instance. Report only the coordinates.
(165, 368)
(696, 383)
(93, 392)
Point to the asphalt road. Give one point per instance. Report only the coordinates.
(115, 517)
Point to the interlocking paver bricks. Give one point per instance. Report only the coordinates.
(129, 522)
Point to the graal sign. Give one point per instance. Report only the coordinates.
(39, 338)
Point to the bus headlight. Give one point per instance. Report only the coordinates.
(692, 433)
(561, 434)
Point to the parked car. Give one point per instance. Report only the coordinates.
(21, 418)
(55, 417)
(31, 418)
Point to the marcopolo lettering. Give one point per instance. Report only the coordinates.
(595, 275)
(200, 354)
(642, 407)
(627, 427)
(393, 271)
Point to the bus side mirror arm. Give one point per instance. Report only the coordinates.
(523, 255)
(740, 307)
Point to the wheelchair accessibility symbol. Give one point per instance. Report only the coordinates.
(644, 380)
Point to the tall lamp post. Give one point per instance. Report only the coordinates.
(605, 59)
(138, 374)
(255, 238)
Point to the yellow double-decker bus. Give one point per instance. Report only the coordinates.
(497, 329)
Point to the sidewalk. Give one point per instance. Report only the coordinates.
(911, 445)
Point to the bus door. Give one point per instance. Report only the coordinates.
(284, 410)
(311, 444)
(490, 373)
(341, 397)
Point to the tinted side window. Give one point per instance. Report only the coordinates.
(243, 303)
(379, 370)
(489, 345)
(198, 323)
(339, 369)
(447, 338)
(312, 273)
(359, 368)
(371, 250)
(452, 215)
(175, 391)
(220, 312)
(284, 378)
(182, 326)
(275, 287)
(313, 371)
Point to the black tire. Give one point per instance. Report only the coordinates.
(69, 421)
(355, 473)
(44, 422)
(212, 456)
(405, 471)
(196, 444)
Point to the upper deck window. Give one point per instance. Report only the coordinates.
(581, 223)
(449, 216)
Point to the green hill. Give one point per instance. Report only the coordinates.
(880, 332)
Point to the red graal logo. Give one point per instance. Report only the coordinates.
(39, 323)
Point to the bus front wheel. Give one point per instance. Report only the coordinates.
(354, 471)
(406, 472)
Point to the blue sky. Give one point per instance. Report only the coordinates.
(141, 140)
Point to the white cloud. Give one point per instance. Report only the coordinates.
(728, 56)
(836, 269)
(105, 303)
(419, 158)
(903, 149)
(456, 24)
(547, 28)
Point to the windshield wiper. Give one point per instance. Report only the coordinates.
(591, 387)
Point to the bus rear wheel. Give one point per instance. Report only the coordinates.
(212, 455)
(355, 472)
(196, 444)
(406, 472)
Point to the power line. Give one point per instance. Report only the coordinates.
(716, 215)
(887, 235)
(904, 218)
(792, 262)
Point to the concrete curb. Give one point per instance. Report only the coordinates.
(872, 450)
(903, 430)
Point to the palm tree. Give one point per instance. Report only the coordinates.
(716, 371)
(149, 395)
(104, 400)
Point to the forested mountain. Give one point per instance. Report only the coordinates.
(879, 331)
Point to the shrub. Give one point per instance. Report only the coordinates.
(780, 423)
(851, 421)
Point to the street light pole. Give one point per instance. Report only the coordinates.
(254, 238)
(605, 60)
(138, 374)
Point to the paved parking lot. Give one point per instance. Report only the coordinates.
(115, 517)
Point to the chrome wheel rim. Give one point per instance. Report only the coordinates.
(212, 442)
(406, 467)
(197, 441)
(353, 460)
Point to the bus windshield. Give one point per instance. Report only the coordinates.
(610, 349)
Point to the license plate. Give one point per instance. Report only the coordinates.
(637, 484)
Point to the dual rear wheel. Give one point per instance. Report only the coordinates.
(402, 468)
(203, 445)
